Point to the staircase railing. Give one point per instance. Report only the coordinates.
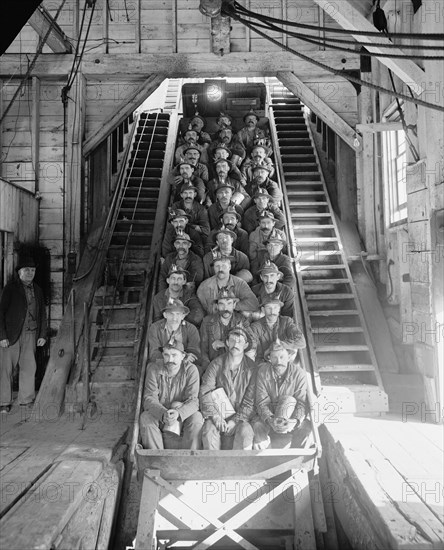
(304, 358)
(69, 341)
(152, 273)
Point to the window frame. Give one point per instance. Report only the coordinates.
(394, 162)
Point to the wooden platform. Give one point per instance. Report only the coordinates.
(59, 484)
(226, 499)
(386, 481)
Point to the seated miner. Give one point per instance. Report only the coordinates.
(184, 259)
(192, 156)
(273, 325)
(250, 132)
(281, 396)
(240, 264)
(197, 213)
(273, 253)
(221, 152)
(272, 287)
(173, 325)
(224, 120)
(222, 168)
(189, 137)
(261, 180)
(230, 219)
(259, 155)
(261, 234)
(171, 417)
(227, 396)
(178, 222)
(208, 290)
(224, 194)
(225, 135)
(186, 176)
(215, 328)
(262, 202)
(178, 289)
(198, 123)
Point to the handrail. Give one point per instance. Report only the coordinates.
(117, 199)
(152, 275)
(107, 229)
(305, 361)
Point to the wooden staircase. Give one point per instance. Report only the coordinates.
(339, 345)
(116, 316)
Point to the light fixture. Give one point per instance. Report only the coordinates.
(210, 8)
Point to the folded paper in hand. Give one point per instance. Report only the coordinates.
(221, 403)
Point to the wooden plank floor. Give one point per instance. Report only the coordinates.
(386, 480)
(47, 467)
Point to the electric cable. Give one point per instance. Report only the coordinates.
(228, 9)
(338, 72)
(323, 42)
(78, 42)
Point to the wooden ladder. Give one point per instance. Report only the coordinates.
(339, 345)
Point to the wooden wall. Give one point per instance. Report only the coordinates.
(408, 247)
(19, 221)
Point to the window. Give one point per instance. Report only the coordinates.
(394, 168)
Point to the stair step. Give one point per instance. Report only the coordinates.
(116, 326)
(333, 312)
(339, 348)
(362, 367)
(310, 214)
(304, 193)
(118, 306)
(334, 330)
(313, 267)
(316, 239)
(312, 203)
(114, 344)
(310, 226)
(325, 281)
(337, 296)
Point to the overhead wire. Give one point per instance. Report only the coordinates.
(232, 13)
(236, 6)
(323, 42)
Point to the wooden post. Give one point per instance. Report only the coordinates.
(304, 537)
(86, 364)
(105, 17)
(364, 171)
(35, 133)
(149, 501)
(174, 25)
(74, 168)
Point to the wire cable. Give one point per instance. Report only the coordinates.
(337, 72)
(230, 7)
(323, 43)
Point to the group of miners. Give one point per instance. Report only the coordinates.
(223, 345)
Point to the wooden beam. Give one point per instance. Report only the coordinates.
(346, 14)
(112, 66)
(315, 103)
(380, 127)
(121, 111)
(41, 21)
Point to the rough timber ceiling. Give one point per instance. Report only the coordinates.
(130, 41)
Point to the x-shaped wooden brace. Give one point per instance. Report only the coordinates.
(227, 528)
